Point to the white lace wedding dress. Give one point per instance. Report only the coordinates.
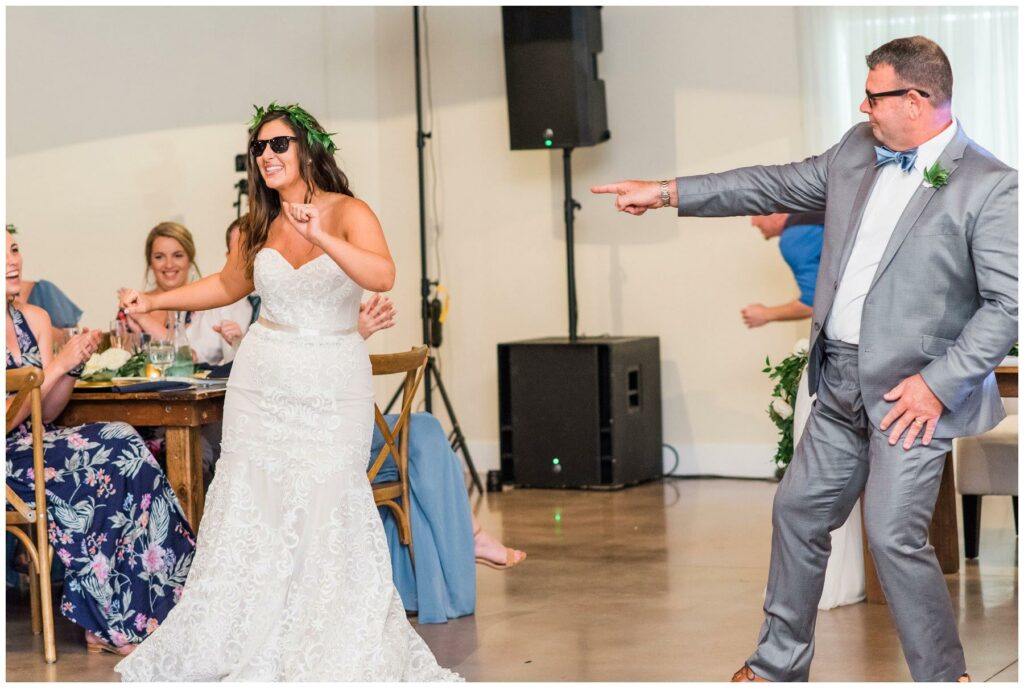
(292, 578)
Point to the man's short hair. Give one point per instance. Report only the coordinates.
(918, 62)
(237, 224)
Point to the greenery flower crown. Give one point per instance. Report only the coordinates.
(299, 118)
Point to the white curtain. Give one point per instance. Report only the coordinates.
(981, 43)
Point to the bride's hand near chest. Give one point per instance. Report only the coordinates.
(347, 230)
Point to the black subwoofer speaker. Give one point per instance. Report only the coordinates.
(555, 99)
(580, 414)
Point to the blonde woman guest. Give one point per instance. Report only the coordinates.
(171, 260)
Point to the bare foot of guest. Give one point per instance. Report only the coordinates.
(491, 552)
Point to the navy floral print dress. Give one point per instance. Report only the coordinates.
(113, 519)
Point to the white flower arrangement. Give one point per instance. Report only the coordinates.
(782, 409)
(112, 359)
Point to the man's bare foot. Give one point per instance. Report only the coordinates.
(488, 550)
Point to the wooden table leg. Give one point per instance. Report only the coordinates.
(872, 587)
(185, 470)
(944, 532)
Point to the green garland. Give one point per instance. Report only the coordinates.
(783, 403)
(780, 410)
(300, 118)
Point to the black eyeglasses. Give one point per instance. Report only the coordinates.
(278, 144)
(873, 97)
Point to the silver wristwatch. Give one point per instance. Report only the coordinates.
(666, 199)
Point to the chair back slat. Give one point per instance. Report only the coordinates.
(26, 512)
(27, 384)
(401, 362)
(396, 439)
(22, 381)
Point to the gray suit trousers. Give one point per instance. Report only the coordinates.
(839, 456)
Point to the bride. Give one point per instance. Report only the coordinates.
(292, 577)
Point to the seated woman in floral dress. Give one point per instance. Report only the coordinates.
(113, 519)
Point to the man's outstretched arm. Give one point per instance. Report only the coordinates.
(757, 190)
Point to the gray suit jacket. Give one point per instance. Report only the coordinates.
(943, 301)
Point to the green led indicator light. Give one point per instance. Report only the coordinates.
(548, 143)
(555, 461)
(558, 517)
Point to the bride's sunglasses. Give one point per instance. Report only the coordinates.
(278, 144)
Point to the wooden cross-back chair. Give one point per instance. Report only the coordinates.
(394, 494)
(26, 521)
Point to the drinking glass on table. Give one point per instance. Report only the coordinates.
(118, 335)
(160, 353)
(122, 337)
(66, 333)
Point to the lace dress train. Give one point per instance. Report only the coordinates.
(292, 576)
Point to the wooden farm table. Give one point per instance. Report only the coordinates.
(181, 412)
(944, 532)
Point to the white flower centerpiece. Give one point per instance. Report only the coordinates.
(113, 362)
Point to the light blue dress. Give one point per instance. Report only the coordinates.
(443, 585)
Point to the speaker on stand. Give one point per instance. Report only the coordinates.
(573, 412)
(555, 98)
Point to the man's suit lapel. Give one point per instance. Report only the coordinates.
(948, 159)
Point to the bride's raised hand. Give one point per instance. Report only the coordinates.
(133, 302)
(305, 218)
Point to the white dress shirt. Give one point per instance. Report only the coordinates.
(209, 346)
(886, 203)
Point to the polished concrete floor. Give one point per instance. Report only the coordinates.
(661, 582)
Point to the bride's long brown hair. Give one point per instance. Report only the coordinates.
(317, 168)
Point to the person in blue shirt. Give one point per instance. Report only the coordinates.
(800, 236)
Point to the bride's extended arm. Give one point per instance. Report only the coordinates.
(221, 289)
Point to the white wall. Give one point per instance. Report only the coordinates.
(119, 118)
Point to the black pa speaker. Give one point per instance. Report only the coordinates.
(584, 413)
(555, 99)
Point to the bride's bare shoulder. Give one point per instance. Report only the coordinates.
(350, 213)
(343, 205)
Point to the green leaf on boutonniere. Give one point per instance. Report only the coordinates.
(936, 175)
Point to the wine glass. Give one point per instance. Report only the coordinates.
(118, 335)
(161, 354)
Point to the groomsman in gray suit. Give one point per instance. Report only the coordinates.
(915, 305)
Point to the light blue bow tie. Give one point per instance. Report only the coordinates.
(885, 155)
